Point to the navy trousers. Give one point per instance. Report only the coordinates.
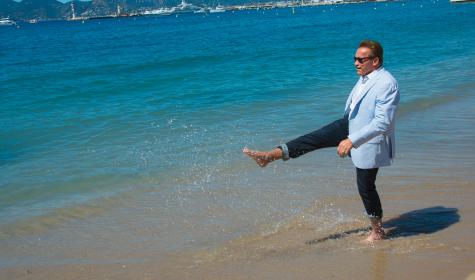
(330, 136)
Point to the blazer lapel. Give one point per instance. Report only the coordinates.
(368, 86)
(353, 91)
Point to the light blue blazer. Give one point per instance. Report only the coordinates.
(372, 121)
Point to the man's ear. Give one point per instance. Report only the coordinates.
(376, 61)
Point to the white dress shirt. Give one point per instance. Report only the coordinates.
(361, 88)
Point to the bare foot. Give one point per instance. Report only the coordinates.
(377, 231)
(375, 236)
(263, 158)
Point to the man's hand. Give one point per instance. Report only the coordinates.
(344, 147)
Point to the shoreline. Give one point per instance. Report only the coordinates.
(429, 228)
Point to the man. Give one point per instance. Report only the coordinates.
(366, 132)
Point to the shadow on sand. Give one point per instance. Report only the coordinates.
(422, 221)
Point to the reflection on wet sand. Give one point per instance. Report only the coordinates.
(379, 264)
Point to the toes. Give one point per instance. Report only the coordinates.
(249, 152)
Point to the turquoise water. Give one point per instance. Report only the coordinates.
(144, 118)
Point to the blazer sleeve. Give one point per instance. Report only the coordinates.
(387, 100)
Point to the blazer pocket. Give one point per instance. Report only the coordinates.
(376, 140)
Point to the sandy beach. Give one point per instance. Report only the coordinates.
(430, 229)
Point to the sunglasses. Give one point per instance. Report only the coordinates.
(362, 59)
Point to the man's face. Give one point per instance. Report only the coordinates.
(365, 63)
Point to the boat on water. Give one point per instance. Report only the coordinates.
(217, 9)
(7, 21)
(200, 11)
(185, 6)
(73, 15)
(161, 11)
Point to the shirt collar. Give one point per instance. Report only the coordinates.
(371, 75)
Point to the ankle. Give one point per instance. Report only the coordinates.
(275, 154)
(376, 224)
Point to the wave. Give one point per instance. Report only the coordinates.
(423, 103)
(59, 216)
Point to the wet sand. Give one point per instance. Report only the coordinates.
(430, 229)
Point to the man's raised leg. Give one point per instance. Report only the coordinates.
(328, 136)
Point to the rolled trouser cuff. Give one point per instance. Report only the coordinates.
(375, 218)
(285, 151)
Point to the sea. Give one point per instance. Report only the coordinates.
(121, 139)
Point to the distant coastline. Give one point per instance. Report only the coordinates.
(184, 7)
(79, 11)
